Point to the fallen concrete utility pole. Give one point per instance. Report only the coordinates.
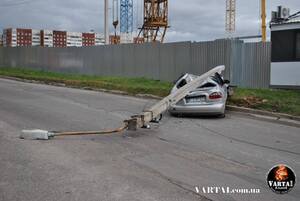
(136, 121)
(143, 119)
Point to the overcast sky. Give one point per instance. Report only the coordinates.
(190, 20)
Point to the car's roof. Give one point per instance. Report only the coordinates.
(192, 76)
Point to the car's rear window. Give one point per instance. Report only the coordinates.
(208, 84)
(217, 78)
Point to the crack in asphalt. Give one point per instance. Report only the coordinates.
(210, 153)
(179, 184)
(246, 142)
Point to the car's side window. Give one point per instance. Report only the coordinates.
(181, 83)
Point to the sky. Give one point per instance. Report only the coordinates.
(190, 20)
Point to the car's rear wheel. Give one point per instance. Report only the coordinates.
(222, 115)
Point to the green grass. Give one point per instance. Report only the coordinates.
(130, 85)
(283, 101)
(274, 100)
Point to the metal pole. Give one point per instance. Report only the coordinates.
(106, 29)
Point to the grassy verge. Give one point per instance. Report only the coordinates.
(130, 85)
(283, 101)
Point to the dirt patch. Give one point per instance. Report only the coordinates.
(250, 101)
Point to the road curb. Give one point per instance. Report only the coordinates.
(262, 112)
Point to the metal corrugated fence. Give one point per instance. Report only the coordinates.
(251, 64)
(247, 64)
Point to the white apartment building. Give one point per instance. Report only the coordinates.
(74, 39)
(126, 38)
(36, 37)
(47, 38)
(14, 38)
(99, 39)
(10, 37)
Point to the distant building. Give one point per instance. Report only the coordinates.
(88, 39)
(74, 39)
(36, 37)
(138, 40)
(99, 39)
(48, 38)
(126, 38)
(17, 37)
(6, 37)
(114, 39)
(24, 37)
(59, 39)
(285, 38)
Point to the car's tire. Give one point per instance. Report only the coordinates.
(221, 116)
(177, 115)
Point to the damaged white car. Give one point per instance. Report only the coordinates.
(208, 99)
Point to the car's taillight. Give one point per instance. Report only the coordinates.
(215, 95)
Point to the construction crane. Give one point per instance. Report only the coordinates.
(126, 18)
(263, 21)
(231, 14)
(155, 21)
(115, 23)
(230, 17)
(106, 29)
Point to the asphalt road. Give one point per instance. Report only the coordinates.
(164, 163)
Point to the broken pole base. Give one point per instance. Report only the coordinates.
(132, 124)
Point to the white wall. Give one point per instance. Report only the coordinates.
(285, 73)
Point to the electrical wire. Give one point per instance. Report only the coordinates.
(295, 15)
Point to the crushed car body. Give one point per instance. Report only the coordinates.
(208, 99)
